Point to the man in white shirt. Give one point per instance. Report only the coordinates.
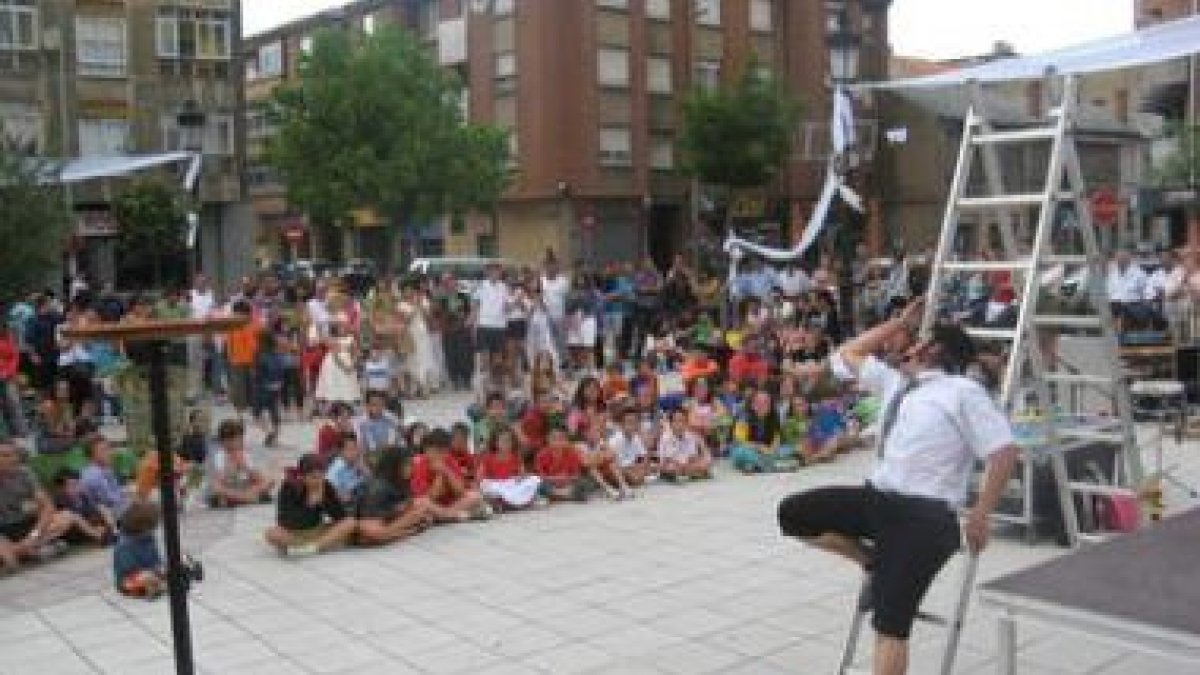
(902, 525)
(489, 316)
(556, 285)
(1165, 291)
(1127, 287)
(202, 301)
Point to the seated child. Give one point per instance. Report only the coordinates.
(341, 421)
(795, 426)
(681, 451)
(628, 444)
(137, 563)
(460, 452)
(601, 462)
(827, 434)
(388, 511)
(504, 479)
(495, 416)
(146, 476)
(650, 418)
(92, 524)
(309, 517)
(99, 481)
(442, 480)
(348, 473)
(698, 366)
(537, 421)
(232, 479)
(615, 385)
(561, 468)
(758, 444)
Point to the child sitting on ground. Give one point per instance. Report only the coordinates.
(460, 452)
(795, 426)
(348, 473)
(681, 451)
(561, 468)
(758, 445)
(504, 479)
(94, 524)
(615, 385)
(341, 421)
(309, 518)
(388, 511)
(601, 463)
(232, 479)
(442, 480)
(137, 563)
(627, 444)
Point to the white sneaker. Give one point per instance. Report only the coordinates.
(301, 550)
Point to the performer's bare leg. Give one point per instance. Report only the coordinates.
(891, 655)
(847, 547)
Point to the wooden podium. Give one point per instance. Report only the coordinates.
(154, 338)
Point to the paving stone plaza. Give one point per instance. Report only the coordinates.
(685, 579)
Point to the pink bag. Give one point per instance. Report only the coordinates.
(1118, 512)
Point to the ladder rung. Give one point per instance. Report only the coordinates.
(1066, 259)
(1076, 378)
(992, 333)
(1016, 135)
(934, 619)
(1003, 201)
(986, 265)
(1068, 321)
(1092, 435)
(1100, 489)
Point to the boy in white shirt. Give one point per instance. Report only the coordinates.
(681, 451)
(626, 443)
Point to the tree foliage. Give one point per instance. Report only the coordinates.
(153, 226)
(374, 121)
(33, 224)
(1182, 164)
(739, 136)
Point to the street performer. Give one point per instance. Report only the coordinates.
(902, 526)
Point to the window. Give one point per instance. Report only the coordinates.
(662, 153)
(503, 7)
(103, 137)
(306, 45)
(270, 60)
(708, 12)
(368, 24)
(708, 74)
(616, 147)
(613, 4)
(658, 75)
(100, 46)
(761, 18)
(18, 24)
(658, 9)
(506, 65)
(21, 127)
(612, 67)
(193, 33)
(216, 137)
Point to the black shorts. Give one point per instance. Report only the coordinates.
(15, 532)
(517, 330)
(913, 538)
(490, 340)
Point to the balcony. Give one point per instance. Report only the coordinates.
(452, 42)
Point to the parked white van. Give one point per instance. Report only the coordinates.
(467, 271)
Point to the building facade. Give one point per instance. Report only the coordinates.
(84, 78)
(591, 93)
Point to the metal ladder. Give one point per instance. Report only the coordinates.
(1026, 370)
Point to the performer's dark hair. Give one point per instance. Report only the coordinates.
(956, 349)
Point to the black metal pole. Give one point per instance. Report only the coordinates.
(177, 578)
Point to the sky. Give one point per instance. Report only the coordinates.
(924, 28)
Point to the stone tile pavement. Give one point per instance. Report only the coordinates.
(687, 579)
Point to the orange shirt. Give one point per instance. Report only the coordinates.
(694, 369)
(242, 345)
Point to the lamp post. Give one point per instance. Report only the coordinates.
(844, 45)
(191, 122)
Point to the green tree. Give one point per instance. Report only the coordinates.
(1181, 166)
(739, 136)
(33, 224)
(153, 226)
(374, 121)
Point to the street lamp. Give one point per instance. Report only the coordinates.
(844, 45)
(191, 122)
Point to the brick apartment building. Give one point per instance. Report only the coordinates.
(591, 91)
(82, 78)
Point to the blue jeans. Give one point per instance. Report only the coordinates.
(746, 458)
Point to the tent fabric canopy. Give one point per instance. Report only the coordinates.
(91, 168)
(1154, 44)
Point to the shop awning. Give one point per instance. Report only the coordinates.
(92, 168)
(1154, 44)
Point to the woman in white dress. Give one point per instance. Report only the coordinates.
(539, 335)
(338, 380)
(421, 365)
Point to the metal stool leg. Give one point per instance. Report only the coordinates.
(954, 630)
(861, 608)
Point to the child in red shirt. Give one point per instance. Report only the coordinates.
(537, 421)
(561, 467)
(504, 481)
(341, 422)
(460, 452)
(440, 479)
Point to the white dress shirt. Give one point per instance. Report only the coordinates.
(678, 448)
(628, 449)
(942, 427)
(1127, 286)
(490, 297)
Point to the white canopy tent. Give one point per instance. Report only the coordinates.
(92, 168)
(1154, 44)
